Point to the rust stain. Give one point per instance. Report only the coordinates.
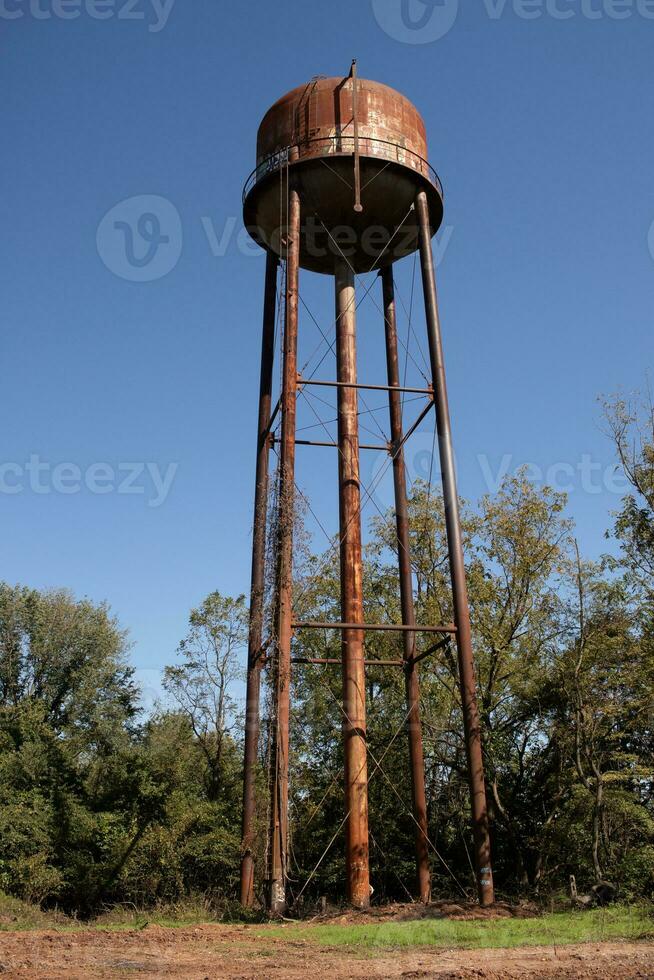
(318, 119)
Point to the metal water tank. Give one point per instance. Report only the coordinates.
(357, 151)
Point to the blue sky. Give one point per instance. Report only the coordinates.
(541, 130)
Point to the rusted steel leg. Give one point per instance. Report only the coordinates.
(282, 653)
(257, 581)
(353, 655)
(414, 727)
(457, 566)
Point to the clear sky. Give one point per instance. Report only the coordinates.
(540, 124)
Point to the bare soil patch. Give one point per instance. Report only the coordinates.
(415, 911)
(246, 953)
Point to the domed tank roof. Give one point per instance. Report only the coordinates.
(315, 131)
(323, 109)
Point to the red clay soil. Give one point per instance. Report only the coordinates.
(413, 911)
(213, 952)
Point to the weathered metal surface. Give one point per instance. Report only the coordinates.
(457, 566)
(311, 133)
(353, 657)
(257, 580)
(334, 445)
(326, 661)
(375, 627)
(364, 387)
(282, 680)
(343, 185)
(354, 75)
(412, 683)
(323, 110)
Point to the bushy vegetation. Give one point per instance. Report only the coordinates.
(95, 806)
(99, 805)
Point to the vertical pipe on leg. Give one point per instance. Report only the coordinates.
(353, 655)
(412, 682)
(282, 654)
(457, 566)
(253, 689)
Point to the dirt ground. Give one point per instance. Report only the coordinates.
(412, 911)
(238, 953)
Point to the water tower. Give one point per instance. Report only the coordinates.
(342, 187)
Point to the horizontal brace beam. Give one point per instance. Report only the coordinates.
(334, 445)
(378, 663)
(349, 384)
(367, 663)
(374, 628)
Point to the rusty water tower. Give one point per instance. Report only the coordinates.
(335, 154)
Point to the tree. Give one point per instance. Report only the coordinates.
(555, 669)
(69, 798)
(70, 657)
(631, 427)
(192, 847)
(516, 545)
(518, 555)
(606, 678)
(96, 806)
(201, 684)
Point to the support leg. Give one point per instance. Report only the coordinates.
(406, 593)
(257, 582)
(353, 656)
(282, 654)
(457, 566)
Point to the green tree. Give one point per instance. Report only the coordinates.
(192, 847)
(202, 684)
(69, 797)
(606, 679)
(631, 428)
(541, 690)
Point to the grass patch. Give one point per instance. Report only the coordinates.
(16, 914)
(19, 916)
(558, 929)
(192, 911)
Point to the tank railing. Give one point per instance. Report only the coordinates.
(338, 146)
